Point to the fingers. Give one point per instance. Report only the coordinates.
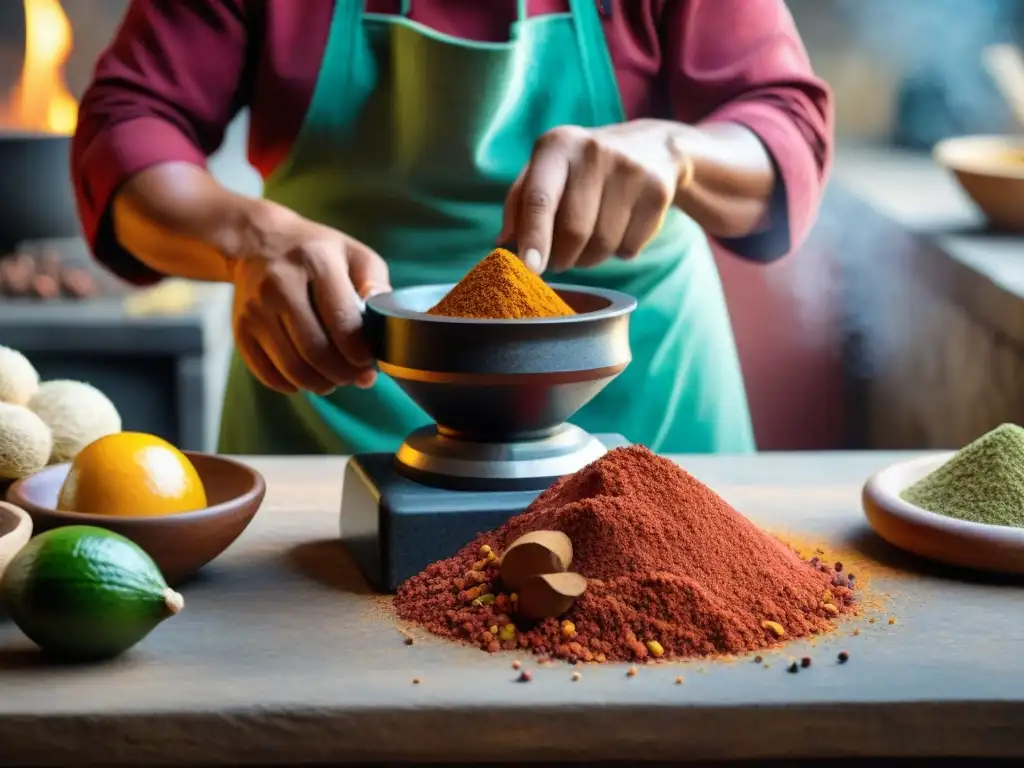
(578, 213)
(283, 353)
(367, 270)
(539, 199)
(616, 208)
(645, 222)
(340, 307)
(261, 365)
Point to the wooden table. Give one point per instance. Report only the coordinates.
(282, 656)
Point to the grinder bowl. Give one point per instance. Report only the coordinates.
(500, 381)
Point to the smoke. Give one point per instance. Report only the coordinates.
(936, 45)
(853, 271)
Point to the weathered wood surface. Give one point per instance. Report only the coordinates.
(281, 656)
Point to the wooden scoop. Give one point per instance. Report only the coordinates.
(549, 595)
(534, 554)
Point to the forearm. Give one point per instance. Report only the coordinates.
(726, 177)
(179, 221)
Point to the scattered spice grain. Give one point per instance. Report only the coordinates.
(415, 681)
(516, 664)
(892, 620)
(575, 677)
(793, 668)
(982, 483)
(525, 676)
(805, 662)
(679, 680)
(501, 287)
(758, 659)
(843, 657)
(631, 672)
(667, 561)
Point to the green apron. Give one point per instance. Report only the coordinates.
(410, 144)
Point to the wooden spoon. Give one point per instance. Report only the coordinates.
(550, 595)
(534, 554)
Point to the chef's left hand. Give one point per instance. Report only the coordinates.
(588, 194)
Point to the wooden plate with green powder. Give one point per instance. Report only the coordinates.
(969, 505)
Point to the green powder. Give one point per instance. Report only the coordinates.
(982, 483)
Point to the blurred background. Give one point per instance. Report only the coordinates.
(900, 324)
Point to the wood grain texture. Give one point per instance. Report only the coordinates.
(282, 656)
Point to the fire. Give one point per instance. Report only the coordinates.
(40, 100)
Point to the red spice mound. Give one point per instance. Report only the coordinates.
(673, 571)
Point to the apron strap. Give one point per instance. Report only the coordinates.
(597, 62)
(521, 11)
(406, 7)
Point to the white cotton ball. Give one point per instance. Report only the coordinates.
(25, 442)
(77, 414)
(19, 381)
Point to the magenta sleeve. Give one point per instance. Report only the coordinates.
(163, 91)
(743, 61)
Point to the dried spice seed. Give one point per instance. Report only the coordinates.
(805, 662)
(631, 672)
(892, 620)
(575, 676)
(838, 566)
(793, 668)
(679, 681)
(516, 664)
(525, 676)
(758, 659)
(415, 681)
(843, 657)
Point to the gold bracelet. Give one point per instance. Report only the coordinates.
(688, 173)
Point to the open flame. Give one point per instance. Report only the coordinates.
(41, 101)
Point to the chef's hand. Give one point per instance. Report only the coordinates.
(589, 194)
(298, 305)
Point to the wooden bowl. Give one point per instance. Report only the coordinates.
(15, 531)
(995, 548)
(991, 171)
(179, 544)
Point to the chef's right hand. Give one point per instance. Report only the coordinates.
(299, 290)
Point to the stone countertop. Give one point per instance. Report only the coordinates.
(283, 656)
(981, 270)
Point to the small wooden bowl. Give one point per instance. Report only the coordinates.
(179, 544)
(15, 531)
(994, 548)
(991, 170)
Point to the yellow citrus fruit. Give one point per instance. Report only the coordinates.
(131, 474)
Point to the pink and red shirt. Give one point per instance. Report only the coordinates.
(178, 72)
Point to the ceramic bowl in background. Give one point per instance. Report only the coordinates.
(15, 531)
(991, 171)
(995, 548)
(180, 544)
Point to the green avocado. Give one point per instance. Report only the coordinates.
(84, 593)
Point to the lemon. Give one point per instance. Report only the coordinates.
(131, 474)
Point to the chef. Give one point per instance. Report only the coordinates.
(400, 140)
